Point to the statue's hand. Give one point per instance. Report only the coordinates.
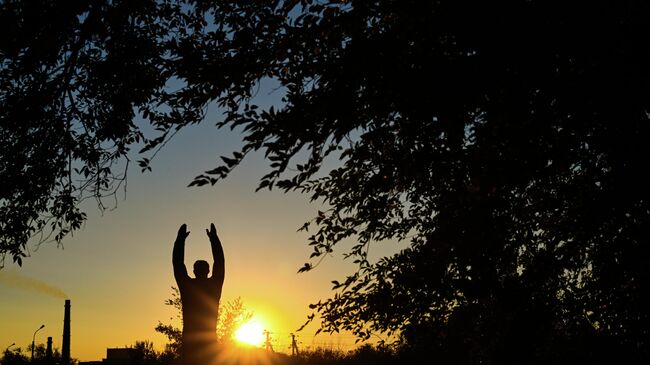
(182, 233)
(212, 233)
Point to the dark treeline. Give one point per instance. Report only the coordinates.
(143, 353)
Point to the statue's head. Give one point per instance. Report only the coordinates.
(201, 269)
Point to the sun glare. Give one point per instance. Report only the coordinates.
(250, 333)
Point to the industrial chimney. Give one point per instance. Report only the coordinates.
(65, 344)
(48, 351)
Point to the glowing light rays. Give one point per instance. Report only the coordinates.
(250, 333)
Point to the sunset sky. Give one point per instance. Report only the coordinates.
(117, 270)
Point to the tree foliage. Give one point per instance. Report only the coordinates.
(505, 143)
(15, 356)
(73, 75)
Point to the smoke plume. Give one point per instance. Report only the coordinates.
(18, 281)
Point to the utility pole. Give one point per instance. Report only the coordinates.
(267, 343)
(294, 345)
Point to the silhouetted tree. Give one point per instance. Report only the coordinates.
(73, 76)
(14, 357)
(145, 354)
(40, 355)
(234, 315)
(504, 143)
(173, 333)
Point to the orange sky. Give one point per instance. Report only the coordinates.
(117, 270)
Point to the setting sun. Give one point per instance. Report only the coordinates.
(250, 333)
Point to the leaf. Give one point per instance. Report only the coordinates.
(304, 227)
(263, 184)
(305, 268)
(199, 181)
(230, 162)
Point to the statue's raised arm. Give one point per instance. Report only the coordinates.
(218, 265)
(178, 255)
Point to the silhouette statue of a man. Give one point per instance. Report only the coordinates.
(200, 298)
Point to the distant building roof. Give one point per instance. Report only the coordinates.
(115, 356)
